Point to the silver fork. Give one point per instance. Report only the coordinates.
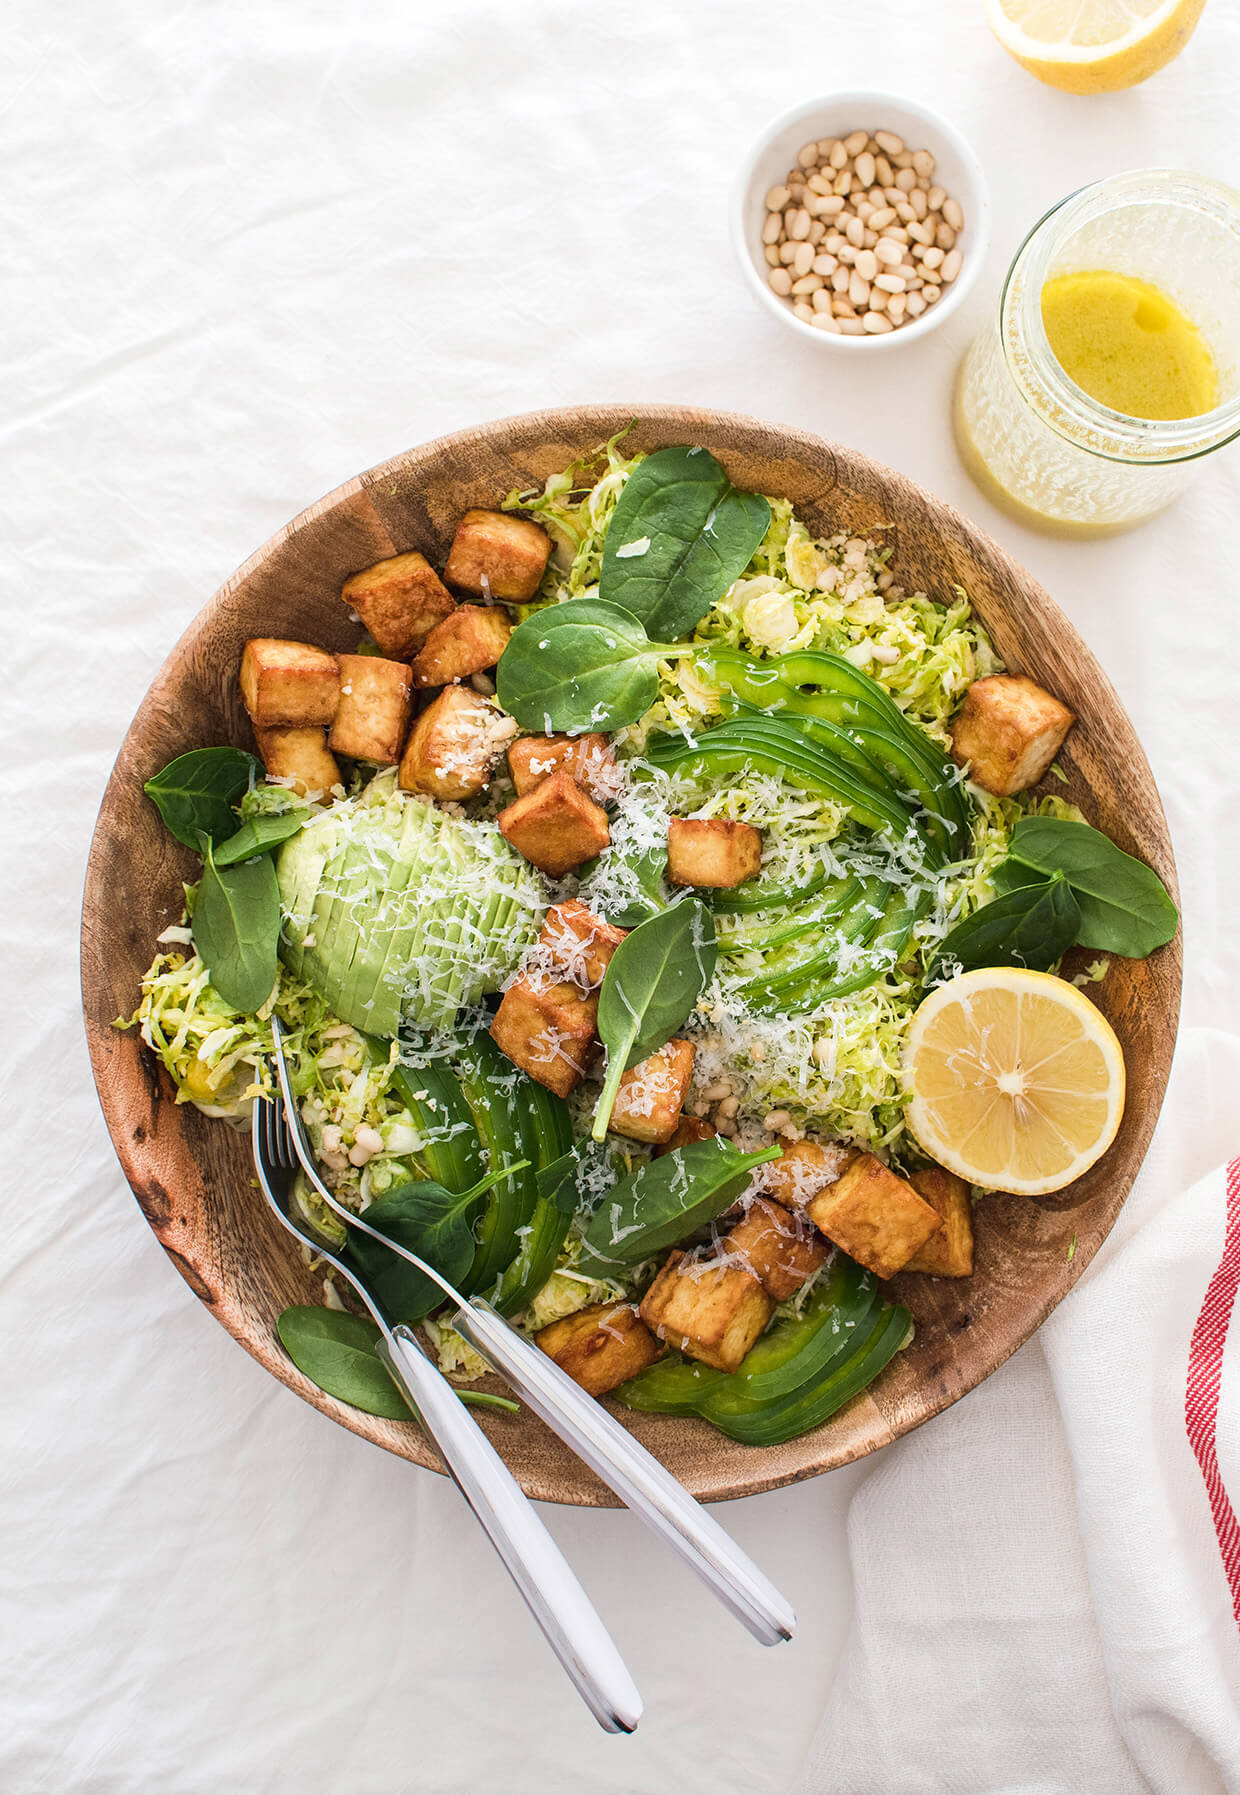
(530, 1555)
(585, 1426)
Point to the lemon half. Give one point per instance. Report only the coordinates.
(1017, 1080)
(1093, 46)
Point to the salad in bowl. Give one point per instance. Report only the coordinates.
(663, 909)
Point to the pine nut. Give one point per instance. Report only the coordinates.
(880, 219)
(907, 271)
(824, 321)
(903, 158)
(915, 305)
(843, 306)
(923, 162)
(821, 300)
(905, 212)
(804, 312)
(906, 180)
(952, 214)
(777, 199)
(854, 230)
(802, 261)
(889, 283)
(773, 225)
(834, 243)
(787, 251)
(800, 225)
(808, 283)
(819, 183)
(866, 264)
(843, 184)
(838, 156)
(851, 327)
(895, 307)
(919, 203)
(945, 237)
(864, 209)
(859, 291)
(888, 142)
(780, 281)
(930, 294)
(807, 155)
(848, 255)
(840, 279)
(888, 253)
(897, 233)
(878, 300)
(776, 1119)
(951, 264)
(824, 264)
(856, 141)
(771, 253)
(864, 166)
(936, 198)
(885, 172)
(876, 324)
(932, 258)
(817, 231)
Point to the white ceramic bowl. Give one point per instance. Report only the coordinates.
(957, 169)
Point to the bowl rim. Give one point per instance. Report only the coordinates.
(978, 208)
(152, 1158)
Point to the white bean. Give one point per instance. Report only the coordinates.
(780, 281)
(777, 199)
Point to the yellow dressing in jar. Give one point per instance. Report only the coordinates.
(1129, 346)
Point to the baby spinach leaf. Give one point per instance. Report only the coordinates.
(580, 665)
(560, 1182)
(195, 793)
(631, 887)
(339, 1353)
(236, 922)
(653, 980)
(260, 833)
(678, 537)
(1034, 926)
(434, 1223)
(1010, 875)
(665, 1199)
(1125, 907)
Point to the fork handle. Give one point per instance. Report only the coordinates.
(533, 1560)
(625, 1466)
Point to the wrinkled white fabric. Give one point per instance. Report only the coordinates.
(247, 252)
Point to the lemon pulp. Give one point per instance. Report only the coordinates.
(1126, 344)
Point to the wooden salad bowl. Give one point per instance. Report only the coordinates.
(192, 1176)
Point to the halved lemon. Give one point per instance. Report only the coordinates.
(1017, 1080)
(1093, 46)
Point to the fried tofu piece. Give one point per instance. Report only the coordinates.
(652, 1094)
(299, 759)
(372, 720)
(557, 826)
(469, 640)
(601, 1346)
(712, 852)
(454, 745)
(689, 1130)
(578, 944)
(948, 1253)
(1008, 732)
(497, 555)
(547, 1030)
(807, 1167)
(532, 758)
(874, 1216)
(781, 1250)
(400, 601)
(288, 685)
(710, 1309)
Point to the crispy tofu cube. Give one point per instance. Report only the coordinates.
(376, 697)
(496, 555)
(299, 759)
(288, 685)
(806, 1168)
(601, 1346)
(454, 745)
(689, 1130)
(781, 1250)
(547, 1030)
(469, 640)
(874, 1216)
(712, 852)
(557, 826)
(1008, 732)
(711, 1310)
(400, 601)
(948, 1253)
(588, 758)
(652, 1094)
(577, 944)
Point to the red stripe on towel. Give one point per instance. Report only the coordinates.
(1205, 1370)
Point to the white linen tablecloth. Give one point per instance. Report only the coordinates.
(247, 252)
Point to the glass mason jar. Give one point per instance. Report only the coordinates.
(1032, 440)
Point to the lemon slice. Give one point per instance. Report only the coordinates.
(1017, 1080)
(1093, 46)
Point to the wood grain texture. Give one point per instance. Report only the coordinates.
(192, 1176)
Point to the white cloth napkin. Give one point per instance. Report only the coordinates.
(1047, 1579)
